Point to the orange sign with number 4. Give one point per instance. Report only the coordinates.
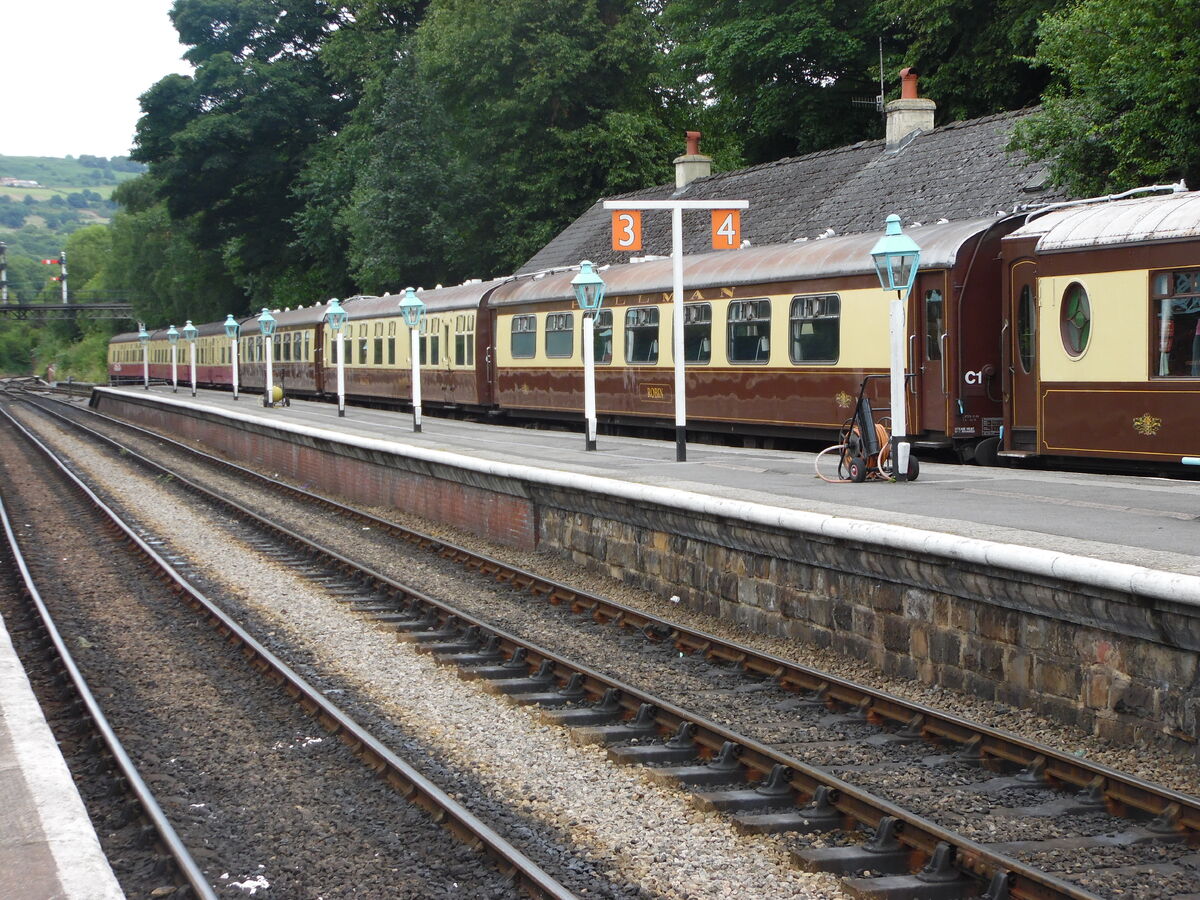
(726, 229)
(626, 229)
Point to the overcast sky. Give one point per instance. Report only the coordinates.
(71, 72)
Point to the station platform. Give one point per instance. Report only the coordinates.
(1140, 521)
(48, 846)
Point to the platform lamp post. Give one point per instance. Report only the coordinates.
(897, 257)
(233, 331)
(412, 308)
(173, 340)
(189, 335)
(589, 294)
(144, 338)
(266, 325)
(336, 316)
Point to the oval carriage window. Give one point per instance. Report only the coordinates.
(1075, 319)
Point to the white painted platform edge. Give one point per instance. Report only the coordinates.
(83, 869)
(1101, 573)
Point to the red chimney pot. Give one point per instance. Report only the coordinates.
(693, 143)
(908, 84)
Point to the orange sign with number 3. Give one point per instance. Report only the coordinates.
(626, 229)
(726, 229)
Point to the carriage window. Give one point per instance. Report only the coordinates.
(750, 331)
(641, 335)
(307, 346)
(1175, 321)
(935, 321)
(297, 346)
(602, 337)
(559, 329)
(697, 332)
(1026, 323)
(391, 345)
(814, 329)
(464, 340)
(524, 336)
(431, 342)
(1075, 319)
(378, 358)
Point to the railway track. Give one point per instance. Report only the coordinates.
(824, 728)
(80, 517)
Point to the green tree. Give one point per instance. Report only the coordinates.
(227, 144)
(88, 250)
(1121, 113)
(783, 74)
(974, 56)
(159, 263)
(550, 103)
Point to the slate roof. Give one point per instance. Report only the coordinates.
(958, 171)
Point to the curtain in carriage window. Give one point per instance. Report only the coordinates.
(1175, 323)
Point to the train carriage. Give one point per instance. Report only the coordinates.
(1102, 339)
(453, 346)
(295, 352)
(777, 340)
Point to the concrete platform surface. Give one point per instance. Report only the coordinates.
(48, 847)
(1136, 520)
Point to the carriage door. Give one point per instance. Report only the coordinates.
(1022, 342)
(927, 351)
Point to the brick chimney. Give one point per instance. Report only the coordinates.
(693, 164)
(910, 113)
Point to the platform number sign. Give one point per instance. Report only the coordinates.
(626, 229)
(726, 229)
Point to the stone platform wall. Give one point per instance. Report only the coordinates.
(1119, 665)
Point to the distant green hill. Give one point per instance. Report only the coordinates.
(69, 194)
(70, 173)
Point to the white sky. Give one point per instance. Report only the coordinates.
(71, 72)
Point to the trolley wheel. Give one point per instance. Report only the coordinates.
(914, 468)
(857, 470)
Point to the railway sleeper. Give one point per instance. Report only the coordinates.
(939, 880)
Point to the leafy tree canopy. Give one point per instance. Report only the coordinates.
(1121, 113)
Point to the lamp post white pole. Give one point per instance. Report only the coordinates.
(144, 338)
(189, 334)
(677, 207)
(589, 381)
(412, 308)
(897, 327)
(589, 293)
(335, 315)
(677, 336)
(415, 349)
(266, 325)
(173, 340)
(897, 258)
(233, 331)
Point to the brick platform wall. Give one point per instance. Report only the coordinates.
(1121, 666)
(360, 476)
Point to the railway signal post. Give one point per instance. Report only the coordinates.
(189, 334)
(726, 236)
(897, 257)
(232, 330)
(335, 315)
(412, 308)
(589, 293)
(173, 340)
